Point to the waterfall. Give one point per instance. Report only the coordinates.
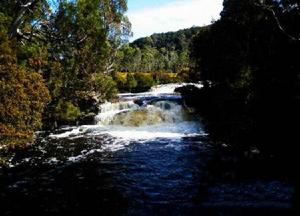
(109, 110)
(170, 88)
(142, 116)
(130, 114)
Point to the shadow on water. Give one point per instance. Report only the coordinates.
(107, 169)
(150, 177)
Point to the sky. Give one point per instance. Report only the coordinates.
(156, 16)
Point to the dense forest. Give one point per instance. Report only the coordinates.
(57, 63)
(249, 65)
(250, 59)
(159, 52)
(62, 60)
(55, 60)
(58, 59)
(157, 59)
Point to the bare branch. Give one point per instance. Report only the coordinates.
(281, 28)
(27, 4)
(82, 39)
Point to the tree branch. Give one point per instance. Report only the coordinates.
(281, 28)
(18, 19)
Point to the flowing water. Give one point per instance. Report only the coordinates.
(144, 155)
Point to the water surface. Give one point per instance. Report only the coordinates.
(145, 155)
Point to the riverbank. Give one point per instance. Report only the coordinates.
(244, 150)
(163, 162)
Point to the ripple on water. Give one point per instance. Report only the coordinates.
(150, 169)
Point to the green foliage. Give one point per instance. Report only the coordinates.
(72, 48)
(104, 87)
(140, 81)
(55, 80)
(121, 81)
(164, 77)
(244, 82)
(23, 93)
(23, 19)
(23, 96)
(66, 111)
(160, 52)
(249, 57)
(135, 82)
(158, 59)
(87, 33)
(144, 81)
(131, 82)
(84, 47)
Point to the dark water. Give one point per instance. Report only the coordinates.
(92, 171)
(158, 177)
(154, 177)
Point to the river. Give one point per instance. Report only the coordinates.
(144, 155)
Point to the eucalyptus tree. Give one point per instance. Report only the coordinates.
(71, 44)
(167, 52)
(83, 37)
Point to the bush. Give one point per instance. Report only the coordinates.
(144, 81)
(121, 81)
(66, 111)
(104, 87)
(23, 96)
(185, 75)
(131, 83)
(165, 77)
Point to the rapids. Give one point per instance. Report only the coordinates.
(150, 115)
(144, 155)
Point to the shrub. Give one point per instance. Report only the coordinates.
(23, 96)
(121, 81)
(131, 83)
(184, 75)
(103, 86)
(165, 77)
(66, 111)
(144, 81)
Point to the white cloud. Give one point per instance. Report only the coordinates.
(174, 16)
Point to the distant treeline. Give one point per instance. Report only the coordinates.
(143, 81)
(168, 52)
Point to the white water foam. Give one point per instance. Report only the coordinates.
(125, 121)
(165, 89)
(109, 110)
(170, 88)
(147, 132)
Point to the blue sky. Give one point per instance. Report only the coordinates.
(156, 16)
(136, 5)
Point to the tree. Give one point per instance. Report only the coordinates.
(23, 93)
(73, 47)
(83, 37)
(160, 52)
(248, 56)
(252, 99)
(23, 96)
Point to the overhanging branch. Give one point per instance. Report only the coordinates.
(281, 28)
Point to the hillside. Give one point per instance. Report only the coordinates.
(168, 52)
